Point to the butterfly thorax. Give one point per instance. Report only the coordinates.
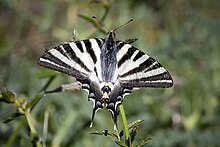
(108, 59)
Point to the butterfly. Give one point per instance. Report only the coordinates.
(108, 69)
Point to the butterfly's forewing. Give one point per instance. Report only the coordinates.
(74, 58)
(137, 69)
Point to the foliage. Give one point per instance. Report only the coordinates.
(183, 35)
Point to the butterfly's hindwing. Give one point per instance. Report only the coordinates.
(116, 98)
(94, 95)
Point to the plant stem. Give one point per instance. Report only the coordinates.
(125, 126)
(30, 122)
(117, 133)
(33, 135)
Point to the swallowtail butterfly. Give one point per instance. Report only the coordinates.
(108, 69)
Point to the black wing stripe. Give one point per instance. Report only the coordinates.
(96, 72)
(62, 51)
(99, 41)
(120, 45)
(50, 61)
(162, 76)
(138, 55)
(155, 65)
(90, 50)
(122, 60)
(126, 56)
(158, 84)
(162, 80)
(54, 59)
(131, 51)
(79, 46)
(127, 91)
(140, 68)
(72, 54)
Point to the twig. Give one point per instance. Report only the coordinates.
(66, 87)
(125, 126)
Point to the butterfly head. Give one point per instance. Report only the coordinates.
(111, 34)
(111, 38)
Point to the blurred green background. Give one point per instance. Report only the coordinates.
(183, 35)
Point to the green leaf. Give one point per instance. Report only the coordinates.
(9, 116)
(143, 142)
(103, 133)
(50, 80)
(7, 96)
(135, 123)
(133, 133)
(45, 73)
(121, 144)
(87, 18)
(131, 126)
(131, 40)
(35, 100)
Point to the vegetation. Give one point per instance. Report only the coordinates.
(183, 35)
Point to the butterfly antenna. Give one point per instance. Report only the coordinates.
(123, 24)
(94, 17)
